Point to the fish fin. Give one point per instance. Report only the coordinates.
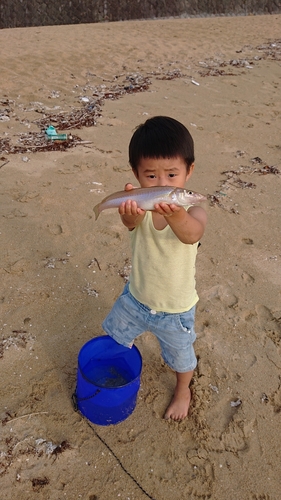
(96, 210)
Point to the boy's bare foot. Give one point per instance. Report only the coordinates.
(179, 406)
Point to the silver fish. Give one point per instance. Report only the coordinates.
(146, 198)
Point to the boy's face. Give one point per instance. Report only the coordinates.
(163, 172)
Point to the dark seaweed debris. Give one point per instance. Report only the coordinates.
(171, 75)
(36, 141)
(213, 67)
(60, 448)
(39, 482)
(78, 118)
(18, 339)
(218, 67)
(86, 116)
(271, 50)
(233, 179)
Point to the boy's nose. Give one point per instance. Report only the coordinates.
(163, 182)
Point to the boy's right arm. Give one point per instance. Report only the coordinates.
(131, 214)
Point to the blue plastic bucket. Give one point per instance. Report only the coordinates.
(108, 380)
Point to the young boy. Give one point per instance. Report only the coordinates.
(161, 296)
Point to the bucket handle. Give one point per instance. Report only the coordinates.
(76, 400)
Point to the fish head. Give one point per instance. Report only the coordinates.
(186, 197)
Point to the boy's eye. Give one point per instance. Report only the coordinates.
(172, 175)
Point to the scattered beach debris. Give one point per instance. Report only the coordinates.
(240, 153)
(12, 447)
(233, 180)
(30, 142)
(241, 63)
(90, 291)
(170, 75)
(4, 144)
(98, 189)
(42, 446)
(52, 135)
(125, 272)
(215, 198)
(213, 67)
(77, 118)
(91, 104)
(268, 170)
(4, 117)
(9, 417)
(51, 261)
(39, 482)
(5, 162)
(6, 419)
(215, 72)
(257, 159)
(60, 448)
(214, 388)
(5, 113)
(85, 116)
(264, 398)
(131, 84)
(54, 94)
(93, 263)
(271, 50)
(235, 403)
(18, 340)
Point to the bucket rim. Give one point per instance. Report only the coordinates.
(96, 384)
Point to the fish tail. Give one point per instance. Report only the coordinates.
(96, 210)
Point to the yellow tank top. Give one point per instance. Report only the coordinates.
(163, 268)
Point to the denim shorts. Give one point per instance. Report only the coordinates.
(175, 332)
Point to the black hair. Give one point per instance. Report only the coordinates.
(161, 137)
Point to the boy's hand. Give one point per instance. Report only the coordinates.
(130, 211)
(165, 209)
(188, 225)
(129, 186)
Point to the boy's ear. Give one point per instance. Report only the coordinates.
(189, 174)
(135, 172)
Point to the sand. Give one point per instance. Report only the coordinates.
(61, 270)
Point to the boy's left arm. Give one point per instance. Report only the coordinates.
(188, 226)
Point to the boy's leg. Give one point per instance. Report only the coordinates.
(179, 406)
(125, 320)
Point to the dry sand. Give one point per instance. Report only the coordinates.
(61, 271)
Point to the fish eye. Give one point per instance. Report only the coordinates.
(190, 192)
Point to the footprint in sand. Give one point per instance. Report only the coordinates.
(247, 278)
(260, 497)
(15, 213)
(275, 400)
(20, 266)
(55, 228)
(222, 293)
(198, 459)
(269, 323)
(28, 196)
(234, 439)
(237, 435)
